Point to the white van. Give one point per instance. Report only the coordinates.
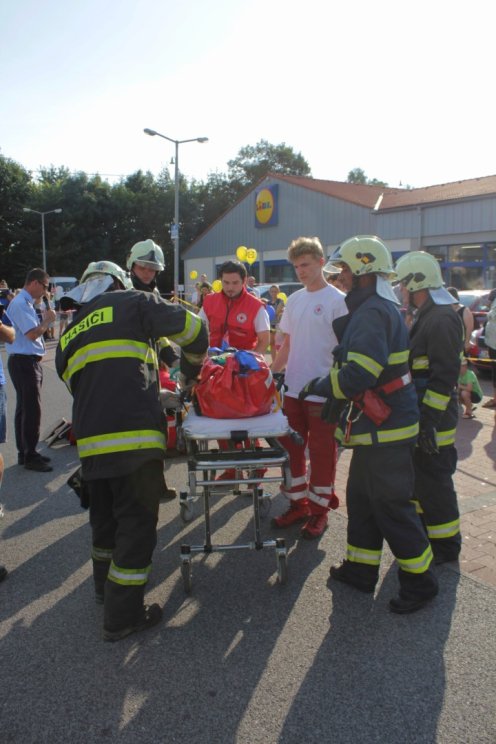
(65, 282)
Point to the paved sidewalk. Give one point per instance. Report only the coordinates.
(475, 482)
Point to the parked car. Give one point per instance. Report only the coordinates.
(478, 302)
(478, 353)
(288, 288)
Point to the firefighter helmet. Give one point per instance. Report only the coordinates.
(364, 254)
(107, 267)
(419, 270)
(147, 254)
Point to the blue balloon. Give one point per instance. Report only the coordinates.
(271, 312)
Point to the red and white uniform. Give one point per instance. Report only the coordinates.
(307, 319)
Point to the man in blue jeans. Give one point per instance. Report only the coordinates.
(7, 334)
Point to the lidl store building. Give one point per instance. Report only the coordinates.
(455, 222)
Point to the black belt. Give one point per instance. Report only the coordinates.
(28, 356)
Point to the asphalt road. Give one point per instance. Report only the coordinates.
(241, 659)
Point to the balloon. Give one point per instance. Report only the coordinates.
(251, 256)
(193, 274)
(271, 313)
(241, 253)
(282, 296)
(217, 285)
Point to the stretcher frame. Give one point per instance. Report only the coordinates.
(204, 463)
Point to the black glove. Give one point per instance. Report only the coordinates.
(320, 386)
(427, 437)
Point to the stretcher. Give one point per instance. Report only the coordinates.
(244, 456)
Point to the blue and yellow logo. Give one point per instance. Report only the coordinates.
(266, 206)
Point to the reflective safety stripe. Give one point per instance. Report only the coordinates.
(445, 438)
(192, 328)
(366, 362)
(421, 362)
(163, 343)
(436, 400)
(438, 531)
(397, 435)
(362, 555)
(300, 481)
(336, 390)
(416, 565)
(417, 506)
(101, 554)
(353, 439)
(318, 499)
(112, 349)
(122, 441)
(128, 576)
(398, 357)
(322, 489)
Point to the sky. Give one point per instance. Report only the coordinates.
(402, 90)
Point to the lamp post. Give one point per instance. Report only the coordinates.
(51, 211)
(175, 231)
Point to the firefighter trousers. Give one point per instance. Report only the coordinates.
(379, 495)
(436, 495)
(318, 435)
(123, 517)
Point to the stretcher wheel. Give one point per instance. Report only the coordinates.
(186, 573)
(186, 509)
(282, 568)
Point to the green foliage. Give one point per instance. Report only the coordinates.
(100, 220)
(357, 175)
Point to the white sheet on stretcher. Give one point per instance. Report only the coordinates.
(201, 427)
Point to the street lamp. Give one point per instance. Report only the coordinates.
(175, 231)
(51, 211)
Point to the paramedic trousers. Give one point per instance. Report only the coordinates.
(123, 517)
(379, 495)
(318, 484)
(435, 492)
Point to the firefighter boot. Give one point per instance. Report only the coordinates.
(363, 578)
(299, 510)
(150, 616)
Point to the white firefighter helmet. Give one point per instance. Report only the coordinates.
(364, 254)
(418, 270)
(146, 253)
(97, 279)
(107, 267)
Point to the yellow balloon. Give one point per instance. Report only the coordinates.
(217, 285)
(193, 274)
(241, 253)
(282, 296)
(251, 256)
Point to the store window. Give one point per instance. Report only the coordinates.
(466, 253)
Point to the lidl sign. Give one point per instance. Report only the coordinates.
(266, 206)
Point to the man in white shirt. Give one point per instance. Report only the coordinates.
(306, 352)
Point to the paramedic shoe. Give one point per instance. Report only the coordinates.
(229, 475)
(406, 606)
(315, 526)
(152, 614)
(346, 575)
(298, 511)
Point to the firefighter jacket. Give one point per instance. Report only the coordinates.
(164, 348)
(234, 317)
(436, 348)
(373, 352)
(107, 359)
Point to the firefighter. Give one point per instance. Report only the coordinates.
(144, 262)
(436, 350)
(371, 395)
(107, 361)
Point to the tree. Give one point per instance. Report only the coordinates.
(15, 188)
(357, 175)
(254, 162)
